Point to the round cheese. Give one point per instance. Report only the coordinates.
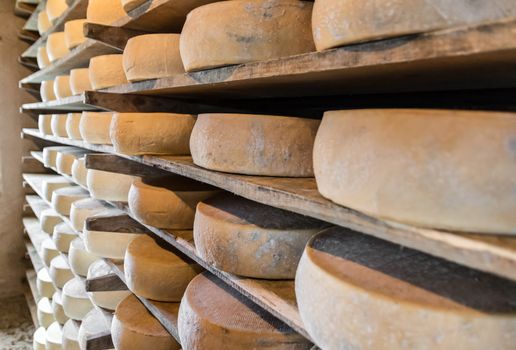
(44, 284)
(53, 337)
(72, 126)
(152, 56)
(63, 237)
(70, 335)
(48, 251)
(254, 144)
(63, 198)
(65, 159)
(399, 298)
(94, 127)
(156, 273)
(106, 71)
(151, 133)
(421, 167)
(212, 315)
(58, 125)
(60, 271)
(130, 5)
(79, 171)
(94, 323)
(57, 308)
(104, 11)
(40, 339)
(62, 87)
(109, 186)
(42, 57)
(74, 34)
(83, 209)
(50, 155)
(233, 32)
(250, 239)
(46, 90)
(55, 8)
(134, 328)
(80, 80)
(50, 185)
(79, 258)
(56, 46)
(48, 220)
(45, 124)
(76, 303)
(43, 22)
(105, 299)
(45, 313)
(167, 202)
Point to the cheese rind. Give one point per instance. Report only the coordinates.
(58, 125)
(60, 271)
(57, 308)
(56, 46)
(83, 209)
(70, 336)
(65, 159)
(44, 284)
(72, 126)
(80, 80)
(94, 127)
(50, 155)
(106, 71)
(43, 22)
(63, 198)
(42, 57)
(109, 186)
(74, 34)
(48, 220)
(76, 303)
(254, 144)
(46, 91)
(105, 299)
(55, 8)
(104, 11)
(62, 87)
(48, 251)
(44, 312)
(79, 258)
(45, 124)
(79, 171)
(63, 236)
(53, 337)
(50, 185)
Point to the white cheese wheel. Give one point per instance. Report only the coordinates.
(109, 186)
(50, 155)
(42, 57)
(134, 328)
(212, 315)
(43, 22)
(56, 46)
(45, 313)
(62, 87)
(83, 209)
(239, 31)
(254, 144)
(93, 324)
(63, 198)
(48, 220)
(53, 337)
(40, 339)
(57, 308)
(76, 303)
(104, 11)
(250, 239)
(65, 159)
(108, 244)
(106, 71)
(421, 167)
(50, 185)
(167, 202)
(58, 125)
(45, 124)
(151, 133)
(105, 299)
(130, 5)
(94, 127)
(44, 284)
(79, 171)
(152, 56)
(79, 258)
(70, 335)
(55, 8)
(63, 236)
(336, 23)
(48, 251)
(156, 273)
(46, 90)
(72, 126)
(74, 34)
(398, 298)
(80, 80)
(60, 271)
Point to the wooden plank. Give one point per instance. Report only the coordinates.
(28, 36)
(108, 283)
(114, 223)
(72, 104)
(31, 295)
(115, 37)
(37, 203)
(32, 22)
(101, 341)
(33, 164)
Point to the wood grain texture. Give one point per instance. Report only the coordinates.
(115, 37)
(108, 283)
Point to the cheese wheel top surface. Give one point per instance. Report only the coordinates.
(133, 315)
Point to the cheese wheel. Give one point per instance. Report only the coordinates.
(44, 312)
(79, 172)
(399, 298)
(104, 11)
(94, 127)
(130, 5)
(42, 57)
(93, 324)
(72, 126)
(53, 337)
(63, 198)
(45, 124)
(105, 299)
(106, 71)
(55, 8)
(46, 90)
(239, 31)
(254, 144)
(44, 284)
(74, 33)
(62, 87)
(43, 22)
(421, 167)
(76, 303)
(58, 125)
(56, 46)
(156, 273)
(167, 202)
(40, 339)
(250, 239)
(48, 220)
(83, 209)
(60, 271)
(48, 251)
(50, 185)
(70, 335)
(63, 237)
(336, 23)
(134, 328)
(79, 258)
(80, 80)
(57, 308)
(212, 315)
(152, 56)
(50, 155)
(109, 186)
(151, 133)
(65, 159)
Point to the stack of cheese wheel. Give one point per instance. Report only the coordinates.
(109, 186)
(156, 273)
(50, 155)
(46, 91)
(43, 22)
(48, 220)
(63, 236)
(79, 172)
(58, 125)
(60, 271)
(65, 159)
(53, 337)
(104, 11)
(167, 202)
(94, 323)
(63, 198)
(215, 316)
(45, 124)
(106, 71)
(250, 239)
(151, 133)
(80, 80)
(405, 298)
(83, 209)
(50, 185)
(48, 251)
(254, 144)
(79, 258)
(44, 283)
(74, 34)
(240, 31)
(94, 127)
(45, 313)
(57, 308)
(108, 299)
(421, 167)
(62, 86)
(42, 57)
(72, 126)
(40, 341)
(135, 328)
(70, 335)
(56, 46)
(76, 303)
(55, 8)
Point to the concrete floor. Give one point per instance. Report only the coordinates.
(16, 327)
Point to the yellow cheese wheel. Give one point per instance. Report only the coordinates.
(80, 80)
(44, 283)
(105, 299)
(42, 57)
(79, 258)
(46, 90)
(44, 312)
(94, 127)
(56, 46)
(60, 271)
(108, 186)
(72, 126)
(63, 236)
(43, 22)
(83, 209)
(106, 71)
(79, 172)
(55, 8)
(62, 86)
(63, 198)
(50, 185)
(53, 337)
(57, 308)
(45, 124)
(74, 33)
(58, 125)
(104, 11)
(76, 302)
(70, 335)
(48, 251)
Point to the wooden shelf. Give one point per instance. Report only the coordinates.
(31, 295)
(32, 23)
(68, 104)
(36, 237)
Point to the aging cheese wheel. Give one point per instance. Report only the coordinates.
(336, 22)
(56, 46)
(94, 127)
(40, 339)
(83, 209)
(151, 133)
(55, 8)
(57, 308)
(72, 126)
(63, 198)
(50, 155)
(65, 159)
(42, 57)
(94, 323)
(250, 239)
(212, 315)
(421, 167)
(45, 124)
(53, 337)
(167, 202)
(104, 11)
(129, 5)
(60, 271)
(45, 313)
(152, 56)
(63, 237)
(398, 298)
(62, 86)
(44, 284)
(80, 80)
(74, 33)
(48, 220)
(48, 251)
(50, 185)
(109, 186)
(105, 299)
(156, 273)
(58, 125)
(240, 31)
(134, 328)
(46, 90)
(254, 144)
(79, 258)
(79, 171)
(106, 71)
(70, 335)
(76, 303)
(43, 22)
